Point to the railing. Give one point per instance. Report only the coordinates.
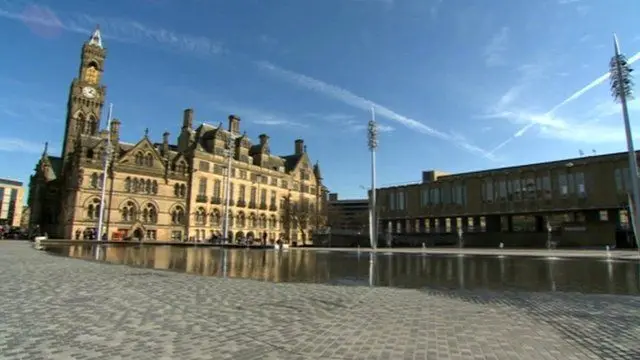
(201, 198)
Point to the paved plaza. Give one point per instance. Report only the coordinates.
(61, 308)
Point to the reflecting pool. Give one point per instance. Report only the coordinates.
(516, 273)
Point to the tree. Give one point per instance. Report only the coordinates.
(301, 216)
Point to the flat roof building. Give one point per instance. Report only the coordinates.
(348, 216)
(11, 200)
(583, 201)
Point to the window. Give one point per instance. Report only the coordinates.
(580, 184)
(150, 214)
(94, 180)
(604, 215)
(148, 160)
(217, 189)
(93, 210)
(203, 166)
(546, 186)
(263, 197)
(242, 194)
(154, 187)
(201, 216)
(177, 216)
(401, 201)
(139, 158)
(202, 187)
(273, 198)
(128, 212)
(215, 218)
(127, 184)
(392, 201)
(231, 191)
(253, 195)
(562, 184)
(487, 192)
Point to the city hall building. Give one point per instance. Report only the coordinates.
(581, 202)
(169, 191)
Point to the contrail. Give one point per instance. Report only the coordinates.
(571, 98)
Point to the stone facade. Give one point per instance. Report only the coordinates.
(167, 191)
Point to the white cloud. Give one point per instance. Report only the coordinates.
(494, 51)
(358, 102)
(21, 146)
(118, 29)
(590, 131)
(258, 116)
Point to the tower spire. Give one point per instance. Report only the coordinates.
(96, 37)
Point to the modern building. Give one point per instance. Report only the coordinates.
(573, 202)
(11, 200)
(165, 191)
(348, 216)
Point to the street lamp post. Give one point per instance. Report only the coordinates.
(621, 89)
(105, 168)
(227, 190)
(372, 135)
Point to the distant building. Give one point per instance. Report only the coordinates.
(583, 201)
(348, 216)
(11, 198)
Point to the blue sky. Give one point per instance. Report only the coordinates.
(457, 85)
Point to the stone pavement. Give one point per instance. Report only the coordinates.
(61, 308)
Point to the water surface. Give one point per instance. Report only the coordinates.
(418, 271)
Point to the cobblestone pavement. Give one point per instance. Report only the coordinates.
(61, 308)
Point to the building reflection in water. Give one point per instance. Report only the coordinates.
(361, 268)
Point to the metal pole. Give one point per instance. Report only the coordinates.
(633, 162)
(227, 190)
(107, 158)
(373, 144)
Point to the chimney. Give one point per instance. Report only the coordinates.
(299, 148)
(234, 124)
(264, 139)
(333, 196)
(115, 130)
(165, 143)
(187, 119)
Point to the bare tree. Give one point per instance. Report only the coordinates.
(301, 215)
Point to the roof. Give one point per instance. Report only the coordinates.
(10, 182)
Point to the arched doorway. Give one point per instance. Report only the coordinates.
(138, 234)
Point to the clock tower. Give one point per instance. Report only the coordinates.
(86, 95)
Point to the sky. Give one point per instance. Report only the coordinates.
(456, 85)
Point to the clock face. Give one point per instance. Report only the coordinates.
(89, 92)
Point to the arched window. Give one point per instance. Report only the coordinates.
(80, 120)
(253, 222)
(263, 221)
(177, 216)
(148, 160)
(93, 209)
(273, 222)
(92, 126)
(150, 214)
(241, 220)
(129, 212)
(154, 187)
(127, 184)
(215, 218)
(147, 186)
(139, 159)
(90, 154)
(201, 216)
(183, 190)
(95, 180)
(176, 190)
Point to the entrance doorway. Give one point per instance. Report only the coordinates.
(138, 234)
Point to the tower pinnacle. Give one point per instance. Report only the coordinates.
(96, 37)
